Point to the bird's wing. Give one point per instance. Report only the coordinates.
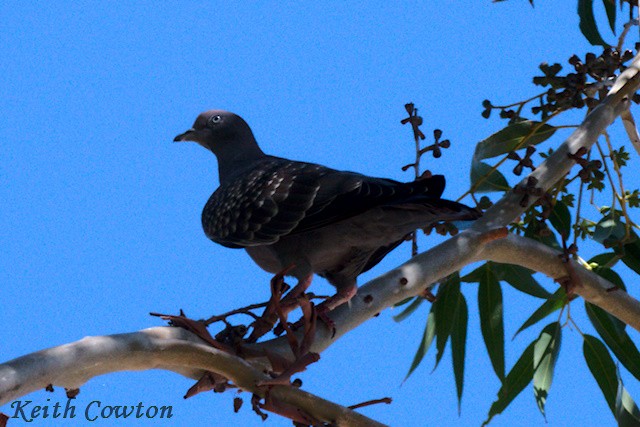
(343, 195)
(280, 197)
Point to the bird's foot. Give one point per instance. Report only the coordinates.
(323, 314)
(269, 317)
(279, 306)
(300, 347)
(343, 295)
(321, 311)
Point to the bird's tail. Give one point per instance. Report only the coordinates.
(461, 216)
(430, 211)
(454, 211)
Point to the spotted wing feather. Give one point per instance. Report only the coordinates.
(279, 197)
(260, 206)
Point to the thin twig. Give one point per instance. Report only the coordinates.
(622, 196)
(632, 21)
(614, 191)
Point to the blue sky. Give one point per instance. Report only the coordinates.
(101, 211)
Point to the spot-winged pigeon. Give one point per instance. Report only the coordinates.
(309, 217)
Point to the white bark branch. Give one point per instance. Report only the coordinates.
(428, 267)
(631, 129)
(590, 286)
(174, 349)
(170, 348)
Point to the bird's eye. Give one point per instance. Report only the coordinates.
(215, 119)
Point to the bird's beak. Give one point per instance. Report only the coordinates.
(187, 136)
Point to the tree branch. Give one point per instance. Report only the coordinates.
(452, 255)
(593, 288)
(557, 165)
(631, 129)
(174, 349)
(170, 348)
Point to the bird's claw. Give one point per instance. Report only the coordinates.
(323, 314)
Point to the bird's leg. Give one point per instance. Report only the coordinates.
(265, 323)
(269, 317)
(342, 295)
(290, 301)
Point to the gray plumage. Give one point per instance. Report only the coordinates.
(333, 223)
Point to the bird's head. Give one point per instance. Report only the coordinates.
(214, 128)
(229, 137)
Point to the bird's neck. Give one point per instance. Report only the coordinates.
(238, 160)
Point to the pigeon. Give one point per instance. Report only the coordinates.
(300, 219)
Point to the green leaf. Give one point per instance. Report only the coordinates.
(609, 231)
(605, 319)
(560, 218)
(409, 309)
(605, 259)
(614, 335)
(554, 303)
(404, 301)
(631, 255)
(458, 345)
(520, 278)
(513, 137)
(427, 339)
(475, 276)
(602, 368)
(610, 275)
(610, 7)
(588, 23)
(515, 381)
(444, 310)
(491, 319)
(483, 180)
(627, 413)
(545, 354)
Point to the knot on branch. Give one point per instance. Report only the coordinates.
(571, 280)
